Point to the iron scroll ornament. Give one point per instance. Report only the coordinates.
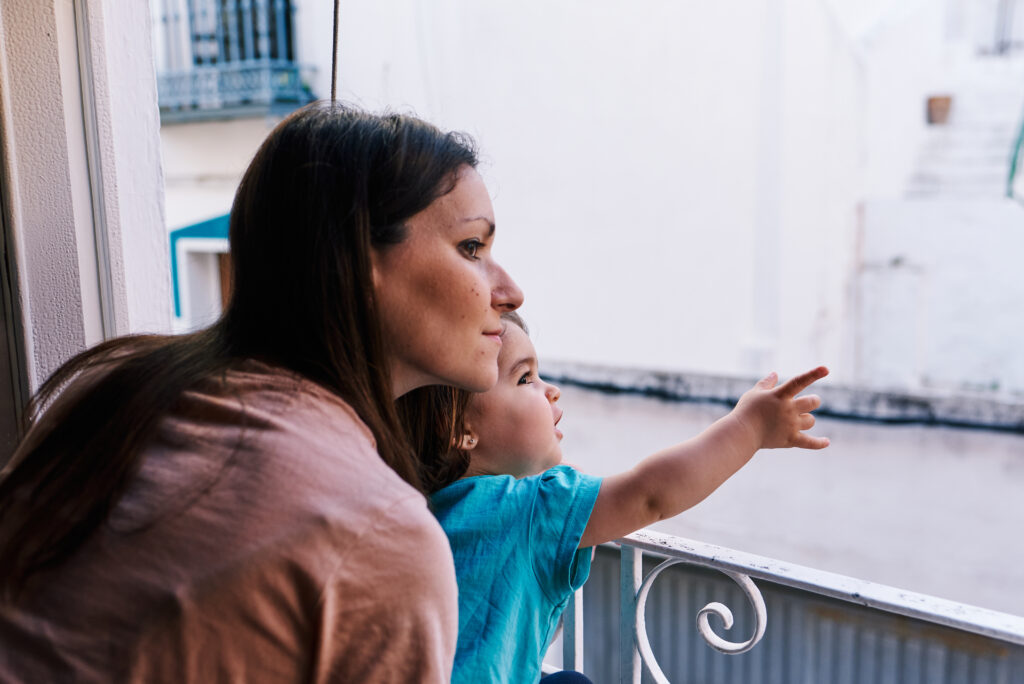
(716, 642)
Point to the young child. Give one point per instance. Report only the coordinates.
(521, 525)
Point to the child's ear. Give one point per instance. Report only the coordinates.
(468, 441)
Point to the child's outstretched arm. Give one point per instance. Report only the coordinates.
(674, 479)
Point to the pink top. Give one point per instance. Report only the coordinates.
(264, 540)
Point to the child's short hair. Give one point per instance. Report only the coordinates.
(514, 317)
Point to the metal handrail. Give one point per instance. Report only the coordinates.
(981, 621)
(1015, 160)
(744, 568)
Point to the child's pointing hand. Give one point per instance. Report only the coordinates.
(777, 417)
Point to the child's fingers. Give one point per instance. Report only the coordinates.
(806, 421)
(768, 381)
(804, 441)
(807, 404)
(794, 386)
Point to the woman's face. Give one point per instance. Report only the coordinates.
(440, 293)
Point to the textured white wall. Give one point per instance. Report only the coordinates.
(39, 177)
(52, 200)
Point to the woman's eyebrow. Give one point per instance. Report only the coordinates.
(490, 223)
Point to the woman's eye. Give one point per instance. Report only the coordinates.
(470, 247)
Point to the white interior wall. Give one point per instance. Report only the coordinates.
(39, 186)
(128, 140)
(51, 138)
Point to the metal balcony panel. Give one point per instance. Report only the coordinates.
(811, 638)
(226, 58)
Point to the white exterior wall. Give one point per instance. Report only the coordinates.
(679, 187)
(675, 185)
(903, 56)
(203, 163)
(939, 285)
(942, 286)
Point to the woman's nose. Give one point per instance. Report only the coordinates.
(505, 294)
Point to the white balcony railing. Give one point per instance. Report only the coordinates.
(886, 634)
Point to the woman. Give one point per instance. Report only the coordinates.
(241, 503)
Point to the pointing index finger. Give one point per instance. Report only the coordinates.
(795, 385)
(804, 441)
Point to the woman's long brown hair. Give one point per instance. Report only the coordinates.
(328, 185)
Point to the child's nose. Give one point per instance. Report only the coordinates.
(552, 392)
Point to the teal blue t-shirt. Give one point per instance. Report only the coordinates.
(517, 561)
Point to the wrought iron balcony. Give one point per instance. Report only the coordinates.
(807, 625)
(226, 58)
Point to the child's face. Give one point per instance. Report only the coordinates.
(514, 424)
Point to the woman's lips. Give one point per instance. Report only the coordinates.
(493, 335)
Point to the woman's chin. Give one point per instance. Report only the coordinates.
(480, 382)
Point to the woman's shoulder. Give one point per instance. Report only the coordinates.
(261, 438)
(272, 391)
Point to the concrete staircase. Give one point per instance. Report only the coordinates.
(969, 156)
(940, 285)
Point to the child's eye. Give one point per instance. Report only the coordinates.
(470, 247)
(525, 380)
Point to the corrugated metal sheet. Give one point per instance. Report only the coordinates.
(810, 639)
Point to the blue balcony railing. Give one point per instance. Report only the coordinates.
(225, 58)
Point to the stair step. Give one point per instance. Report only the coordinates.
(969, 157)
(941, 192)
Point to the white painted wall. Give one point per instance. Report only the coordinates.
(951, 266)
(203, 163)
(907, 58)
(675, 184)
(678, 187)
(938, 284)
(77, 165)
(40, 199)
(128, 122)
